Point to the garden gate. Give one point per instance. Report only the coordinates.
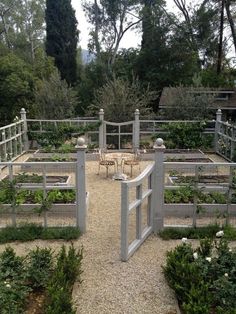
(122, 135)
(142, 208)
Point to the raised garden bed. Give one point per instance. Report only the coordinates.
(188, 159)
(54, 164)
(37, 180)
(209, 179)
(180, 203)
(174, 153)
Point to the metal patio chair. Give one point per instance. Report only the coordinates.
(102, 161)
(133, 162)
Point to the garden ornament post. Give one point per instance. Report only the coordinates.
(136, 130)
(25, 135)
(217, 128)
(81, 212)
(101, 130)
(158, 186)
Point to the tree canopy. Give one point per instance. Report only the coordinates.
(41, 63)
(62, 37)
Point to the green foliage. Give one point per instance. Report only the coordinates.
(39, 272)
(13, 289)
(54, 98)
(192, 233)
(203, 279)
(68, 268)
(15, 197)
(62, 37)
(119, 99)
(39, 267)
(93, 77)
(29, 232)
(28, 17)
(16, 87)
(185, 135)
(165, 59)
(184, 103)
(185, 194)
(11, 266)
(55, 137)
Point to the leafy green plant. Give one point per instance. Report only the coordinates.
(10, 194)
(185, 194)
(13, 289)
(39, 271)
(39, 267)
(191, 233)
(68, 268)
(204, 278)
(184, 135)
(29, 232)
(55, 137)
(11, 266)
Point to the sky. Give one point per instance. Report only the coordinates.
(130, 39)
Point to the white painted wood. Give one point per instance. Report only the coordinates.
(81, 185)
(158, 188)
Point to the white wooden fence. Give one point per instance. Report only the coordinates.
(76, 210)
(13, 138)
(134, 207)
(225, 138)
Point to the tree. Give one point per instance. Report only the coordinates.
(16, 87)
(164, 59)
(62, 37)
(54, 99)
(22, 26)
(184, 103)
(111, 20)
(119, 98)
(231, 20)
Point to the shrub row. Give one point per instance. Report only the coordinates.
(40, 271)
(204, 279)
(29, 232)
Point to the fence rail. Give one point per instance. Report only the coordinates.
(26, 186)
(202, 202)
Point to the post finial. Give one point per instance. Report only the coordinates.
(80, 142)
(159, 142)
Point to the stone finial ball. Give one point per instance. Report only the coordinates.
(80, 141)
(159, 142)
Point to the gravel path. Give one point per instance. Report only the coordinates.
(109, 285)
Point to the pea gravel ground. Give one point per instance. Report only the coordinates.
(109, 285)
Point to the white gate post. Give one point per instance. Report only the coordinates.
(81, 212)
(158, 186)
(102, 134)
(25, 135)
(217, 129)
(136, 131)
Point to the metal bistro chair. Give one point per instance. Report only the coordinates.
(134, 162)
(105, 162)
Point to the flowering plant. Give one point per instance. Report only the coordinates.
(203, 278)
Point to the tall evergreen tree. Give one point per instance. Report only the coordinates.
(62, 37)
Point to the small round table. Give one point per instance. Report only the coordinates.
(119, 158)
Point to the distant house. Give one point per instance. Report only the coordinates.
(224, 98)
